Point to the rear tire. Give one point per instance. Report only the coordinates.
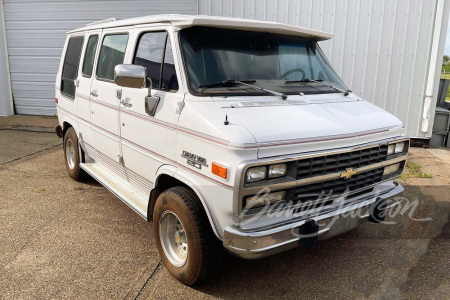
(72, 156)
(186, 243)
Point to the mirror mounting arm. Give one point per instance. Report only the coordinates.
(150, 86)
(151, 102)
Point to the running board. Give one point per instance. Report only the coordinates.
(124, 193)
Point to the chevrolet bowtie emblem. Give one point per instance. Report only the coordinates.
(348, 174)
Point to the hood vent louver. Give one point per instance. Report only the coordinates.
(271, 103)
(319, 101)
(291, 102)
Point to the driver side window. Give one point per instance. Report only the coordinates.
(154, 52)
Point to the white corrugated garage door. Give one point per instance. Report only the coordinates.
(36, 30)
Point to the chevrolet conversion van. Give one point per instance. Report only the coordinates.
(226, 133)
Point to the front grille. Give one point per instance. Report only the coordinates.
(329, 164)
(325, 191)
(336, 187)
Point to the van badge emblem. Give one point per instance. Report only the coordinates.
(348, 174)
(194, 160)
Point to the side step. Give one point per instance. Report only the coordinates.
(121, 190)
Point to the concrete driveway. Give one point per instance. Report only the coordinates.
(63, 239)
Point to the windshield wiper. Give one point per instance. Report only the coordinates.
(346, 93)
(230, 82)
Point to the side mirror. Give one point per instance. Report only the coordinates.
(132, 76)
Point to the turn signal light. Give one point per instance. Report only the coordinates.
(219, 170)
(56, 100)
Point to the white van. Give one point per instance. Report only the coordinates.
(226, 133)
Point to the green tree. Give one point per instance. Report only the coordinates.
(445, 60)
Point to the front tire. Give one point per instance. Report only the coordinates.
(72, 156)
(186, 243)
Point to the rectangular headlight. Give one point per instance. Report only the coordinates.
(396, 148)
(278, 170)
(256, 174)
(267, 199)
(391, 169)
(399, 147)
(391, 149)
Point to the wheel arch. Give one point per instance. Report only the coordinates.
(66, 126)
(166, 179)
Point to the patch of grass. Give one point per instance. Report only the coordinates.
(414, 170)
(40, 190)
(79, 188)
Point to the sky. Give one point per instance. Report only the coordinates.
(447, 42)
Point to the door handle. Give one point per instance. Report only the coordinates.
(126, 102)
(94, 93)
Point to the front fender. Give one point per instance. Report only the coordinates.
(216, 200)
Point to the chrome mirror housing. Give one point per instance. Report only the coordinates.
(132, 76)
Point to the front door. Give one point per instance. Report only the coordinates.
(149, 141)
(105, 104)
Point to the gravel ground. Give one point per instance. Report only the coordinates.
(63, 239)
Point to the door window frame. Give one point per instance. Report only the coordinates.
(89, 35)
(136, 47)
(170, 36)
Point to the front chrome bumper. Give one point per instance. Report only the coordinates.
(257, 244)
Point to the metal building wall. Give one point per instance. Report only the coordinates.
(381, 48)
(6, 103)
(36, 29)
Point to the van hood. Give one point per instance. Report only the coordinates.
(309, 123)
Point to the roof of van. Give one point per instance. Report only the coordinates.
(184, 21)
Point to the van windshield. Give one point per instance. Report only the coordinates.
(281, 63)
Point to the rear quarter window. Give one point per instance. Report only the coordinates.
(70, 66)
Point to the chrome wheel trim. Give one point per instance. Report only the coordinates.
(70, 154)
(173, 238)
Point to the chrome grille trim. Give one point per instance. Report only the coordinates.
(290, 184)
(328, 164)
